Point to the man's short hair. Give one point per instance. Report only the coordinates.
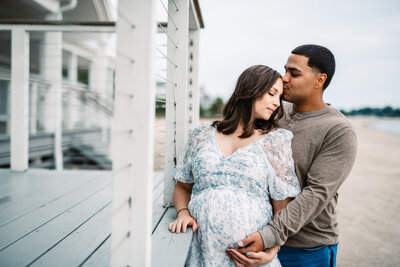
(320, 58)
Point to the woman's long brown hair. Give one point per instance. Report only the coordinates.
(252, 84)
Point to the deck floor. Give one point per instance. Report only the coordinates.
(52, 218)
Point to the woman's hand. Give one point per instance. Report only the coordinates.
(252, 258)
(182, 222)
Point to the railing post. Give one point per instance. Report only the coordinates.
(73, 112)
(193, 91)
(33, 108)
(19, 99)
(133, 134)
(176, 95)
(99, 83)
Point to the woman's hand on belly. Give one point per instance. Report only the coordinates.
(183, 220)
(252, 258)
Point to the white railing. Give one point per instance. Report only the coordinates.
(133, 112)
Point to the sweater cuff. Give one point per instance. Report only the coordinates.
(268, 237)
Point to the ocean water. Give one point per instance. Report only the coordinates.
(389, 126)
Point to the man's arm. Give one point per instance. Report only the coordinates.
(328, 171)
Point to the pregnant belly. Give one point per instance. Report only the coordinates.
(225, 216)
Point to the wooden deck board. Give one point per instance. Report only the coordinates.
(47, 205)
(76, 247)
(102, 256)
(167, 249)
(47, 237)
(54, 218)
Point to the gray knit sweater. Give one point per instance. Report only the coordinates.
(324, 149)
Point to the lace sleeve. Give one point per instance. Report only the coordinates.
(283, 182)
(183, 168)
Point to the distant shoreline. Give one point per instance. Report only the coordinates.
(387, 125)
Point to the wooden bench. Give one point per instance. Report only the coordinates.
(169, 249)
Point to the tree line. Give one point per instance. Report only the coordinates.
(387, 111)
(215, 109)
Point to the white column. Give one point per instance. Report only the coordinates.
(52, 71)
(19, 99)
(91, 111)
(99, 83)
(133, 151)
(193, 89)
(53, 74)
(177, 73)
(33, 108)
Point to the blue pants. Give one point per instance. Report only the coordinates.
(323, 256)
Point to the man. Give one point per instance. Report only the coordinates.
(324, 149)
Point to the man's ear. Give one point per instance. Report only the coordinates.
(321, 78)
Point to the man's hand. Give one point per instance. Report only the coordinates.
(252, 258)
(252, 243)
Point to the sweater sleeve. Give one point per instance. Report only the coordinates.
(328, 171)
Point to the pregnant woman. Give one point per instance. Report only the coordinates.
(235, 173)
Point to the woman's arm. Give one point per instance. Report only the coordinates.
(182, 194)
(280, 204)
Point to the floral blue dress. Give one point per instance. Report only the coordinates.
(231, 196)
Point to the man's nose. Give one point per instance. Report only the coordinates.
(285, 78)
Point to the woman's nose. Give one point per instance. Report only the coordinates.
(277, 102)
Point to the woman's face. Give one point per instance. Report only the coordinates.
(264, 106)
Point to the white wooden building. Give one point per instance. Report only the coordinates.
(121, 218)
(86, 62)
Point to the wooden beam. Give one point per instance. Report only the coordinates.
(193, 88)
(133, 134)
(65, 26)
(176, 95)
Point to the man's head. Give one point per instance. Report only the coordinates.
(309, 71)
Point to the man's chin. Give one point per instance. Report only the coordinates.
(286, 98)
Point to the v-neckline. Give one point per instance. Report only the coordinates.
(236, 151)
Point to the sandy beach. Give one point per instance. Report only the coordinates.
(369, 207)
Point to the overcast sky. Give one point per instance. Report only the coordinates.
(363, 35)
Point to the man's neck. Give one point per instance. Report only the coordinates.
(308, 107)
